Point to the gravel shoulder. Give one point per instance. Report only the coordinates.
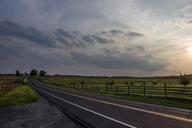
(35, 115)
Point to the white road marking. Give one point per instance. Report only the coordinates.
(117, 121)
(127, 107)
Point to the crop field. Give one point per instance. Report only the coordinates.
(162, 91)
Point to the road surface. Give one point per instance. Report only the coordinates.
(102, 112)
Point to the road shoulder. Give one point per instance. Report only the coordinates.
(34, 115)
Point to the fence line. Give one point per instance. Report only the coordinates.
(144, 90)
(6, 86)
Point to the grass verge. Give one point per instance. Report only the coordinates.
(19, 96)
(169, 101)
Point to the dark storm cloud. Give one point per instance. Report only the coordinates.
(9, 28)
(101, 39)
(16, 55)
(88, 38)
(111, 51)
(67, 38)
(115, 31)
(140, 48)
(137, 48)
(120, 61)
(129, 34)
(134, 35)
(79, 39)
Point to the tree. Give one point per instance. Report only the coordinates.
(42, 73)
(184, 80)
(154, 82)
(126, 83)
(131, 83)
(17, 73)
(34, 72)
(82, 83)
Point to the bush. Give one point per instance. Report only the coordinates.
(109, 83)
(184, 80)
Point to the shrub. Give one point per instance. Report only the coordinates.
(184, 80)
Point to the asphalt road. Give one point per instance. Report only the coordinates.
(102, 112)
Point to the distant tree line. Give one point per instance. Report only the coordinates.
(33, 72)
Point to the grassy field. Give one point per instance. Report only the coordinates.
(21, 95)
(17, 92)
(176, 95)
(69, 80)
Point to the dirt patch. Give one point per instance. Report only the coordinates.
(36, 115)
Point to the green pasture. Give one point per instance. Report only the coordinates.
(176, 95)
(71, 80)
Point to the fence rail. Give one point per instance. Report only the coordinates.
(160, 90)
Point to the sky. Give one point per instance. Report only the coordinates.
(96, 37)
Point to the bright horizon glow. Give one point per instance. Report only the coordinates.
(189, 51)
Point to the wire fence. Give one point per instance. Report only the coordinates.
(8, 85)
(143, 90)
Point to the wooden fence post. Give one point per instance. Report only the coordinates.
(116, 91)
(128, 89)
(144, 90)
(98, 89)
(165, 90)
(3, 87)
(85, 87)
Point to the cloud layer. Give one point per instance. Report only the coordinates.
(126, 37)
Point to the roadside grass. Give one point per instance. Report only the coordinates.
(70, 80)
(169, 101)
(21, 95)
(179, 101)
